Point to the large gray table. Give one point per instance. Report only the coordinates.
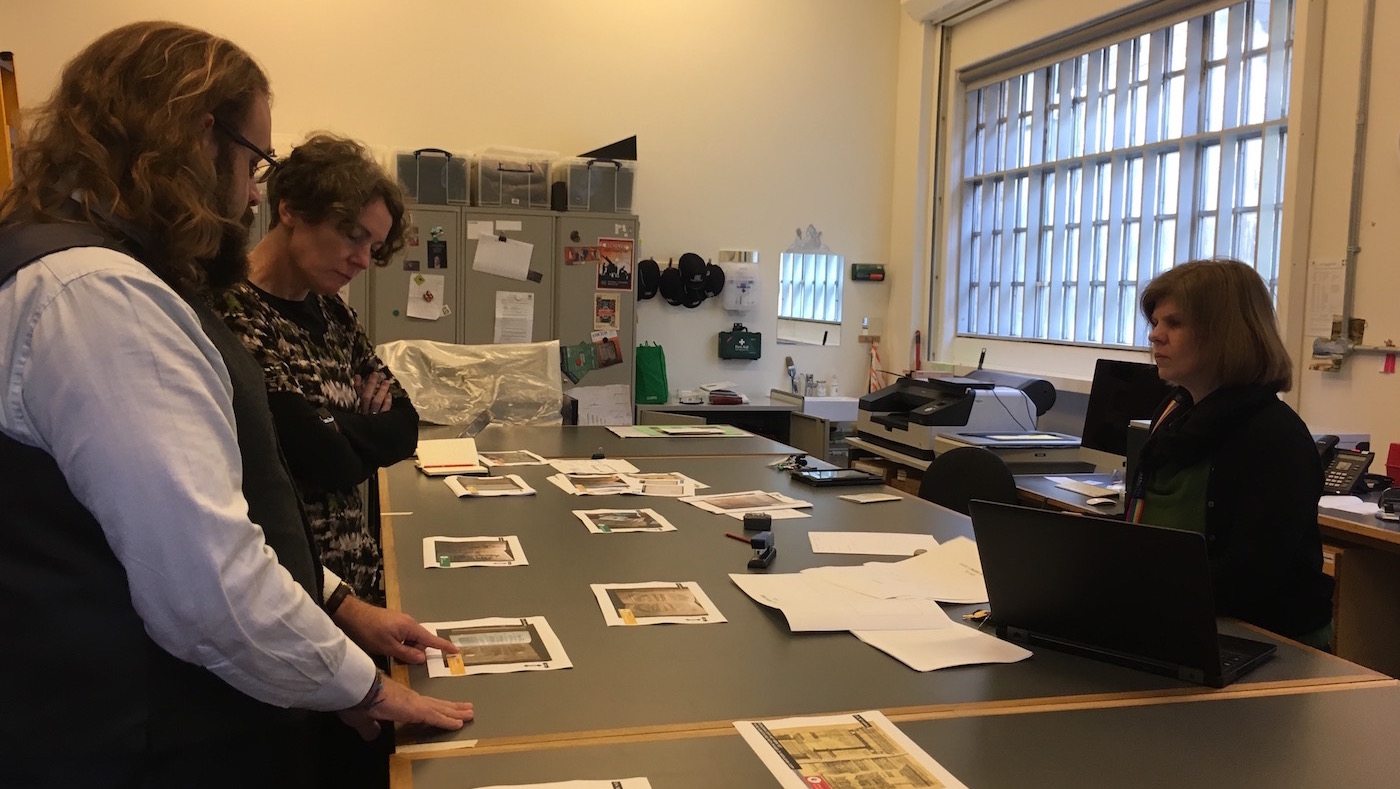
(689, 677)
(569, 441)
(1341, 738)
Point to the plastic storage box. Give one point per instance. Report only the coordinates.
(511, 178)
(602, 185)
(432, 176)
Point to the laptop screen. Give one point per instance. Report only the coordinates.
(1102, 584)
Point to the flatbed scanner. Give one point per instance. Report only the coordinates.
(908, 416)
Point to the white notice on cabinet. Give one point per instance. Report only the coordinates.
(515, 316)
(425, 296)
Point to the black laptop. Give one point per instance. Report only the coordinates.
(1126, 593)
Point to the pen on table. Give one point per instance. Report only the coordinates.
(733, 536)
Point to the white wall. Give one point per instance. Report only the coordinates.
(1327, 60)
(753, 117)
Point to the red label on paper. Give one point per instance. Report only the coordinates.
(816, 782)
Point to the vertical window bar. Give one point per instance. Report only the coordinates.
(1276, 105)
(1158, 96)
(984, 273)
(1236, 112)
(1055, 326)
(1006, 266)
(1193, 108)
(1091, 106)
(1119, 186)
(1231, 159)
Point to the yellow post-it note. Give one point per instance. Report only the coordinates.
(626, 616)
(455, 665)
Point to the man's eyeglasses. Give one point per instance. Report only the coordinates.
(261, 167)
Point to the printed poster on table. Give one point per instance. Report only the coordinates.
(615, 268)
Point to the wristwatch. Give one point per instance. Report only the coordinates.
(337, 598)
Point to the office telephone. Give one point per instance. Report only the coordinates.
(1344, 470)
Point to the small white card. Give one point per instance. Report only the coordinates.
(472, 552)
(655, 603)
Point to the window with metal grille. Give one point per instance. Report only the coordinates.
(809, 286)
(1084, 179)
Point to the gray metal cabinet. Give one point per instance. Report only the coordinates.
(389, 285)
(476, 301)
(577, 288)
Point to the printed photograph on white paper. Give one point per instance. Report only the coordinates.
(594, 484)
(745, 501)
(655, 603)
(508, 485)
(509, 457)
(671, 484)
(496, 645)
(622, 783)
(850, 751)
(451, 552)
(610, 521)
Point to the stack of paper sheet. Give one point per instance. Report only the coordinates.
(735, 505)
(672, 484)
(437, 457)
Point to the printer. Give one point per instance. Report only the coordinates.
(998, 411)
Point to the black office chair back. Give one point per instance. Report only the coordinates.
(960, 475)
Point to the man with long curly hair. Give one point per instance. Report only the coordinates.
(177, 620)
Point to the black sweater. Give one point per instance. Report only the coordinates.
(1264, 482)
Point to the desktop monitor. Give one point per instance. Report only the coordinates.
(1120, 393)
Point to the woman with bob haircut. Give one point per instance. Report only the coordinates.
(340, 413)
(1227, 457)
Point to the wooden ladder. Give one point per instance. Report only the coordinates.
(9, 118)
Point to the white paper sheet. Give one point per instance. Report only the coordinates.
(1327, 285)
(929, 650)
(811, 604)
(507, 258)
(873, 543)
(616, 521)
(600, 466)
(777, 515)
(950, 572)
(515, 317)
(487, 487)
(497, 645)
(427, 293)
(453, 552)
(610, 783)
(509, 457)
(1349, 504)
(477, 229)
(603, 405)
(655, 603)
(855, 749)
(745, 501)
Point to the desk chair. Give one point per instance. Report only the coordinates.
(960, 475)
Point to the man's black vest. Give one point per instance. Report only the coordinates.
(74, 649)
